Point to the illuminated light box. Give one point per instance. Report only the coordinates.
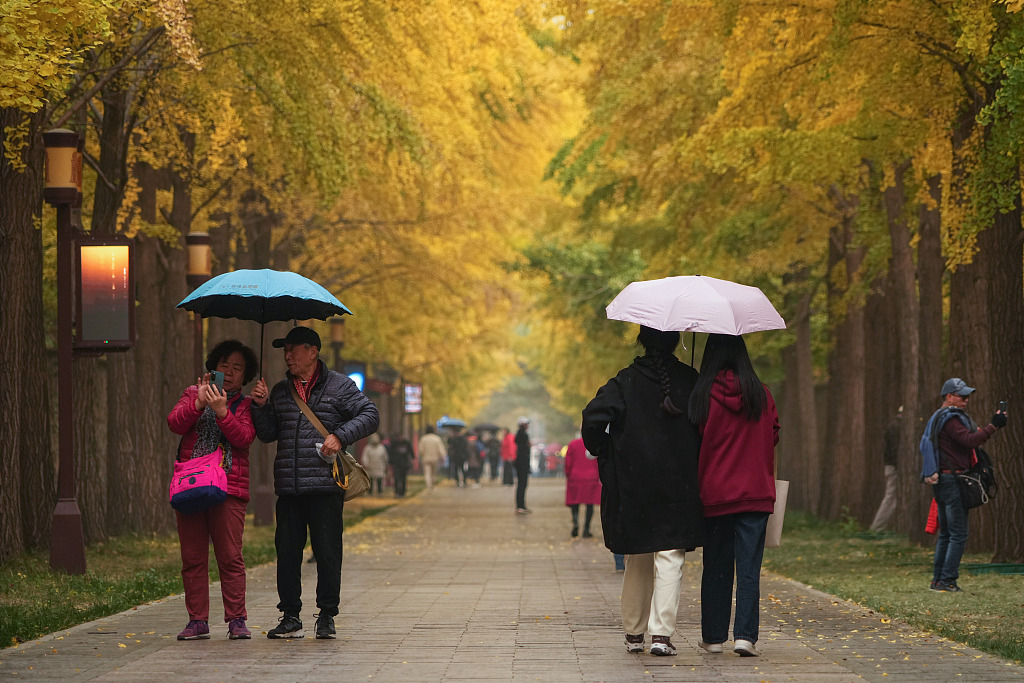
(104, 293)
(413, 398)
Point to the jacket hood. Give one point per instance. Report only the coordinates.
(645, 366)
(726, 391)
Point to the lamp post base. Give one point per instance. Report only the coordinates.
(67, 542)
(263, 505)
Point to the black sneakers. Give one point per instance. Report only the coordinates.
(325, 627)
(288, 627)
(947, 587)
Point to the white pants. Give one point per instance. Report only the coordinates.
(428, 473)
(650, 592)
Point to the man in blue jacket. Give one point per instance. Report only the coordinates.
(947, 445)
(308, 496)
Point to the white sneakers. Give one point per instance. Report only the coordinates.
(662, 646)
(744, 648)
(634, 644)
(713, 648)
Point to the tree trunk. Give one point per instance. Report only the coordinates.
(845, 442)
(798, 456)
(28, 495)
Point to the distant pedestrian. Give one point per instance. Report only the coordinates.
(208, 418)
(458, 456)
(582, 485)
(508, 458)
(475, 460)
(375, 460)
(956, 436)
(400, 455)
(522, 440)
(493, 445)
(887, 508)
(650, 506)
(739, 428)
(432, 454)
(308, 496)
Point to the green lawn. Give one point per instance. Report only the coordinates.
(888, 575)
(122, 573)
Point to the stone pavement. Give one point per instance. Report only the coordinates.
(452, 586)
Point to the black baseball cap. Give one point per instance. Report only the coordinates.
(299, 335)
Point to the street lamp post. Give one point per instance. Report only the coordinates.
(62, 189)
(338, 341)
(199, 271)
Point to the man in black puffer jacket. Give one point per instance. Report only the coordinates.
(307, 494)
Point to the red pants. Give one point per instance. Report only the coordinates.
(223, 525)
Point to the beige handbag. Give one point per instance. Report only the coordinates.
(773, 535)
(356, 481)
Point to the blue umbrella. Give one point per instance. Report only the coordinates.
(450, 422)
(264, 296)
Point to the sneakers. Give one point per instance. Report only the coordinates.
(196, 630)
(325, 627)
(523, 511)
(946, 587)
(745, 648)
(237, 630)
(662, 646)
(634, 644)
(713, 648)
(288, 627)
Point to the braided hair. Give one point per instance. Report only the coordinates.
(657, 345)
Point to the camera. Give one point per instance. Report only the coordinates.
(1002, 406)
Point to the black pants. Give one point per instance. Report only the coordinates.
(508, 477)
(400, 475)
(522, 477)
(495, 463)
(458, 471)
(321, 514)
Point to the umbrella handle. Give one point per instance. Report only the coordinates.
(260, 376)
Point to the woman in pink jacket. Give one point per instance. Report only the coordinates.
(582, 485)
(207, 417)
(739, 428)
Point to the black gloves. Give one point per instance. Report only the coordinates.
(999, 420)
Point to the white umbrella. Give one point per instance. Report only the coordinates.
(696, 303)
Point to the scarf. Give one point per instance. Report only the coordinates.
(209, 436)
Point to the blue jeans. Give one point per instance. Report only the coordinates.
(953, 528)
(734, 544)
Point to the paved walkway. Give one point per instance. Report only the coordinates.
(451, 586)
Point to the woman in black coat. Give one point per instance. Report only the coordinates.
(647, 450)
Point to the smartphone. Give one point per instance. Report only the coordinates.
(217, 379)
(1002, 406)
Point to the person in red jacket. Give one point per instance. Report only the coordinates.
(207, 417)
(582, 485)
(739, 428)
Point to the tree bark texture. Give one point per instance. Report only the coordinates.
(845, 438)
(28, 495)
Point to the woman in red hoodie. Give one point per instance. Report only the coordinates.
(739, 428)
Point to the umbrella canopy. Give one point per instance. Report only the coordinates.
(486, 427)
(264, 296)
(696, 303)
(450, 422)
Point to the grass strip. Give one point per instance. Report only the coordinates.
(887, 574)
(123, 572)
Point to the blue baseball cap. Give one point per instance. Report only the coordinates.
(955, 385)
